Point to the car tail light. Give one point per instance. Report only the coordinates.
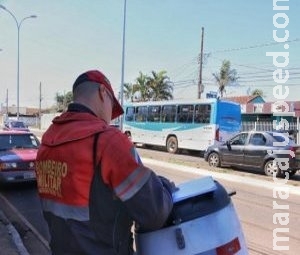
(292, 153)
(295, 152)
(229, 248)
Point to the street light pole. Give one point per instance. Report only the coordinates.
(123, 64)
(18, 65)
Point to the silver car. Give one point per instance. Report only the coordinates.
(274, 153)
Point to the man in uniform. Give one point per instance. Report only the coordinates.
(91, 181)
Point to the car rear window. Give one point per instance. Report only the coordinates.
(281, 137)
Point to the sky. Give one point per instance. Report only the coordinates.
(69, 37)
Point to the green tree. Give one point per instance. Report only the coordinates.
(132, 92)
(128, 91)
(225, 76)
(63, 100)
(142, 87)
(160, 87)
(150, 88)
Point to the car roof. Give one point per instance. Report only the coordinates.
(12, 132)
(262, 131)
(10, 121)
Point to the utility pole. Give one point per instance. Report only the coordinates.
(123, 65)
(40, 107)
(200, 85)
(6, 101)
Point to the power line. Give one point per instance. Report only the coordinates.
(183, 69)
(255, 46)
(291, 75)
(263, 74)
(257, 72)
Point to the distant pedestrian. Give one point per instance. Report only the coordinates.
(91, 181)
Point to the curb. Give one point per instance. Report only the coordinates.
(17, 240)
(25, 237)
(13, 235)
(224, 176)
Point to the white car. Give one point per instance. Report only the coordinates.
(15, 125)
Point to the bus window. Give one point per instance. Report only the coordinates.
(202, 113)
(141, 114)
(185, 113)
(129, 114)
(168, 113)
(153, 114)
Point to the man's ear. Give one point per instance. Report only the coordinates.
(100, 92)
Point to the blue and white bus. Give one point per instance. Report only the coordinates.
(184, 124)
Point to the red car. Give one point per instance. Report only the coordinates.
(18, 151)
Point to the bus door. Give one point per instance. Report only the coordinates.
(204, 127)
(187, 137)
(153, 125)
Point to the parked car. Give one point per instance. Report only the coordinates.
(270, 152)
(18, 151)
(15, 125)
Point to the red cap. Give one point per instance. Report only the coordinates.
(97, 76)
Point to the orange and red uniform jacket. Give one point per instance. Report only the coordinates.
(126, 191)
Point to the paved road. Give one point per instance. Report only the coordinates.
(253, 202)
(194, 159)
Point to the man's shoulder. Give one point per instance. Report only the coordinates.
(112, 132)
(114, 136)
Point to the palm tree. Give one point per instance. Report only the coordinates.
(160, 87)
(128, 91)
(132, 91)
(141, 86)
(225, 76)
(150, 88)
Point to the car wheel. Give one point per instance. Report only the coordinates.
(172, 144)
(271, 168)
(214, 159)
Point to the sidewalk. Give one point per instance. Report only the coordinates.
(10, 241)
(17, 236)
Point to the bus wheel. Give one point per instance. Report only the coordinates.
(172, 144)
